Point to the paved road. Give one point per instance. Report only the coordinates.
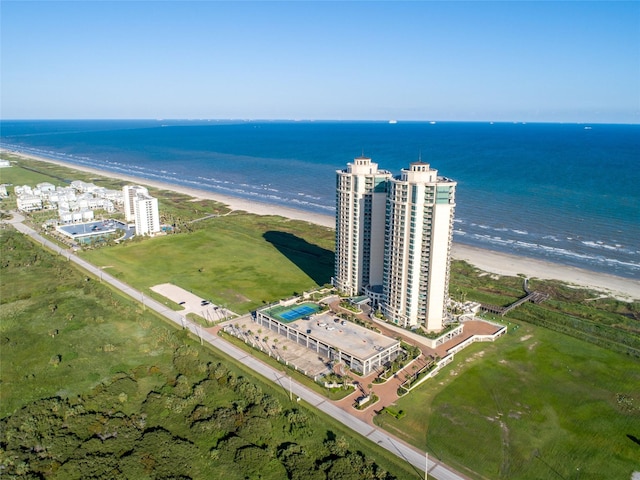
(416, 458)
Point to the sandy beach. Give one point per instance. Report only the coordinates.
(486, 260)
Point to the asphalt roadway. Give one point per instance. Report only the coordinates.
(415, 457)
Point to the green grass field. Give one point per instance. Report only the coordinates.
(530, 404)
(240, 261)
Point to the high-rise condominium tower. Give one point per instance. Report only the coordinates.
(360, 211)
(147, 217)
(131, 193)
(420, 209)
(142, 209)
(393, 240)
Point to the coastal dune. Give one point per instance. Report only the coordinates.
(487, 260)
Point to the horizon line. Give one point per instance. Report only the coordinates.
(311, 120)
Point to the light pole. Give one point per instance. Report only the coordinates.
(426, 465)
(426, 455)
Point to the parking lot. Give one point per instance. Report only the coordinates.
(192, 303)
(305, 360)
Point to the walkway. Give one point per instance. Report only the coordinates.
(534, 297)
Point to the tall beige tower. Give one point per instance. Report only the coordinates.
(130, 193)
(361, 191)
(419, 217)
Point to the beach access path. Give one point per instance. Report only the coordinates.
(416, 458)
(498, 263)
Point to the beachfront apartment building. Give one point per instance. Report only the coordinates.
(130, 194)
(419, 235)
(142, 209)
(393, 240)
(147, 217)
(28, 202)
(361, 191)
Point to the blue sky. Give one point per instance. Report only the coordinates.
(500, 61)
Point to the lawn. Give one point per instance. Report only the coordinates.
(535, 404)
(240, 261)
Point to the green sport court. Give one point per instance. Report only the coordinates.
(293, 312)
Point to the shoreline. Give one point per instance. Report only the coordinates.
(487, 260)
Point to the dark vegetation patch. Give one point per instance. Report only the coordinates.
(95, 387)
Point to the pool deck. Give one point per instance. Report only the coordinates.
(97, 228)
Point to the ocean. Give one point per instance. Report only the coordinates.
(566, 193)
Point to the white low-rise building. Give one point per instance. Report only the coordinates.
(29, 202)
(22, 190)
(83, 187)
(62, 195)
(46, 187)
(75, 216)
(115, 196)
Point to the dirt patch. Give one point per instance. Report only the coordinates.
(525, 338)
(474, 356)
